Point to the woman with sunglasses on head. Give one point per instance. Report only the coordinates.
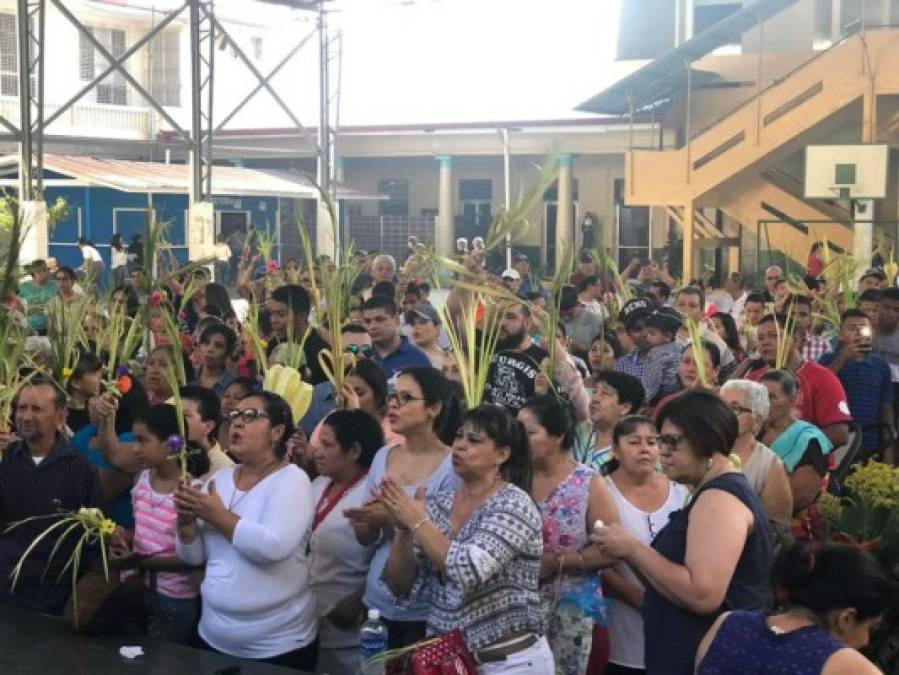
(421, 408)
(571, 497)
(714, 552)
(644, 498)
(348, 441)
(257, 603)
(473, 552)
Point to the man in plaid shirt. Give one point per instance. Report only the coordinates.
(811, 347)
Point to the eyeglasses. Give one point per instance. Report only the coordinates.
(365, 350)
(245, 416)
(402, 398)
(669, 440)
(738, 409)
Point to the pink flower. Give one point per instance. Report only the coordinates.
(155, 299)
(271, 266)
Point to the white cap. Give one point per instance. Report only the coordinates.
(374, 615)
(511, 274)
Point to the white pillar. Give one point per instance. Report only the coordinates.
(324, 230)
(564, 211)
(200, 231)
(445, 237)
(35, 229)
(863, 234)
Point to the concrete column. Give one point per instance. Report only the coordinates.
(863, 234)
(35, 227)
(340, 172)
(564, 209)
(201, 230)
(324, 231)
(445, 236)
(689, 217)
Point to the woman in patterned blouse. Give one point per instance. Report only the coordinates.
(475, 553)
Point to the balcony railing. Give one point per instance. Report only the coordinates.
(89, 119)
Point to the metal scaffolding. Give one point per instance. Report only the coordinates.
(206, 35)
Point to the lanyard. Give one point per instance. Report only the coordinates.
(326, 503)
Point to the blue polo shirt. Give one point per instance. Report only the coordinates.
(869, 385)
(404, 356)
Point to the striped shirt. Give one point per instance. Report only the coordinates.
(154, 534)
(489, 588)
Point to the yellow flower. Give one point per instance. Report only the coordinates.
(831, 508)
(107, 526)
(263, 344)
(875, 484)
(67, 373)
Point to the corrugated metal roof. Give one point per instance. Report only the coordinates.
(656, 81)
(132, 176)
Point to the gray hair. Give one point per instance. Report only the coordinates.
(785, 379)
(756, 395)
(384, 257)
(771, 268)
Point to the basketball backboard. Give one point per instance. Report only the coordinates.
(846, 171)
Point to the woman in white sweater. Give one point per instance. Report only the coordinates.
(250, 525)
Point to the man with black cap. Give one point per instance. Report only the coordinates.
(633, 315)
(581, 326)
(663, 361)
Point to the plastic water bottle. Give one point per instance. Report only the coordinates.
(372, 641)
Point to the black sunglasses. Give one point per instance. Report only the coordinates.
(365, 350)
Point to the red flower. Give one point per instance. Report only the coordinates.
(124, 384)
(271, 266)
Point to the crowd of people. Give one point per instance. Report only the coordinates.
(635, 491)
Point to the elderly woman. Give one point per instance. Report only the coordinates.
(802, 447)
(762, 468)
(474, 552)
(347, 443)
(250, 524)
(571, 497)
(645, 499)
(716, 551)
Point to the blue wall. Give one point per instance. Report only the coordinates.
(97, 212)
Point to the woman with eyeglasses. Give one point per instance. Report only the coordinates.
(714, 552)
(472, 553)
(338, 563)
(645, 498)
(761, 466)
(249, 524)
(421, 408)
(571, 497)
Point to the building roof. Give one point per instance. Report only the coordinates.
(655, 82)
(155, 177)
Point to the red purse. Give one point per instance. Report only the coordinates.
(445, 654)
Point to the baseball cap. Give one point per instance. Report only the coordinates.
(638, 308)
(427, 313)
(521, 257)
(511, 274)
(874, 272)
(666, 318)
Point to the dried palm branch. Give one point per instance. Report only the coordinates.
(784, 339)
(553, 311)
(698, 347)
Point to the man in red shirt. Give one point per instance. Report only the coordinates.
(822, 399)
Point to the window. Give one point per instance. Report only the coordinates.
(707, 16)
(397, 202)
(165, 68)
(257, 48)
(476, 196)
(9, 56)
(113, 89)
(633, 228)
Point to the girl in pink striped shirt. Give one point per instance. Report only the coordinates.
(172, 598)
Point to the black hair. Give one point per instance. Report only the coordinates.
(755, 297)
(609, 337)
(870, 295)
(68, 271)
(555, 414)
(384, 302)
(412, 289)
(373, 375)
(209, 406)
(354, 328)
(383, 289)
(132, 301)
(630, 389)
(852, 313)
(435, 388)
(664, 289)
(216, 294)
(357, 426)
(705, 420)
(506, 432)
(295, 297)
(278, 412)
(712, 350)
(225, 331)
(117, 242)
(248, 384)
(88, 362)
(691, 290)
(424, 287)
(731, 334)
(830, 577)
(797, 299)
(213, 311)
(628, 424)
(161, 420)
(891, 293)
(588, 280)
